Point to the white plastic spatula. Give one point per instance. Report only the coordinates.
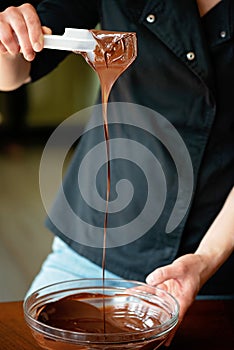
(72, 40)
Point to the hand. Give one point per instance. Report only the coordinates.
(21, 31)
(182, 279)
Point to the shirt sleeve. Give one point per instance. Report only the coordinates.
(6, 3)
(58, 15)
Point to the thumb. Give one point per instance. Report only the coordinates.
(46, 30)
(160, 275)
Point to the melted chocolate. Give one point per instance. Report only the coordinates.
(78, 313)
(114, 53)
(112, 56)
(128, 325)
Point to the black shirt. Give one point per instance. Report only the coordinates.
(184, 72)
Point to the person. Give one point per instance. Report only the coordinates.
(184, 71)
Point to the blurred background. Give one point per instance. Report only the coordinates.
(28, 116)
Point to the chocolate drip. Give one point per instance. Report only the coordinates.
(112, 56)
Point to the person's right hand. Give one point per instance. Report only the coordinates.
(21, 31)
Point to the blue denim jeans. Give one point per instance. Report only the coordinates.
(63, 264)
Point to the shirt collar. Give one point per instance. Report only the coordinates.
(178, 25)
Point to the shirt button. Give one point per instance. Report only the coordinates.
(151, 18)
(190, 56)
(223, 34)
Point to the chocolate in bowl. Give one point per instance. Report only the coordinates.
(85, 314)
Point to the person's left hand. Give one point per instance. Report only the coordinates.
(182, 279)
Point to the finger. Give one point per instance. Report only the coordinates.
(8, 39)
(161, 275)
(34, 27)
(21, 33)
(46, 30)
(14, 33)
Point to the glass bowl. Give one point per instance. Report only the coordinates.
(88, 314)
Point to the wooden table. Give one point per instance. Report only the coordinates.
(208, 325)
